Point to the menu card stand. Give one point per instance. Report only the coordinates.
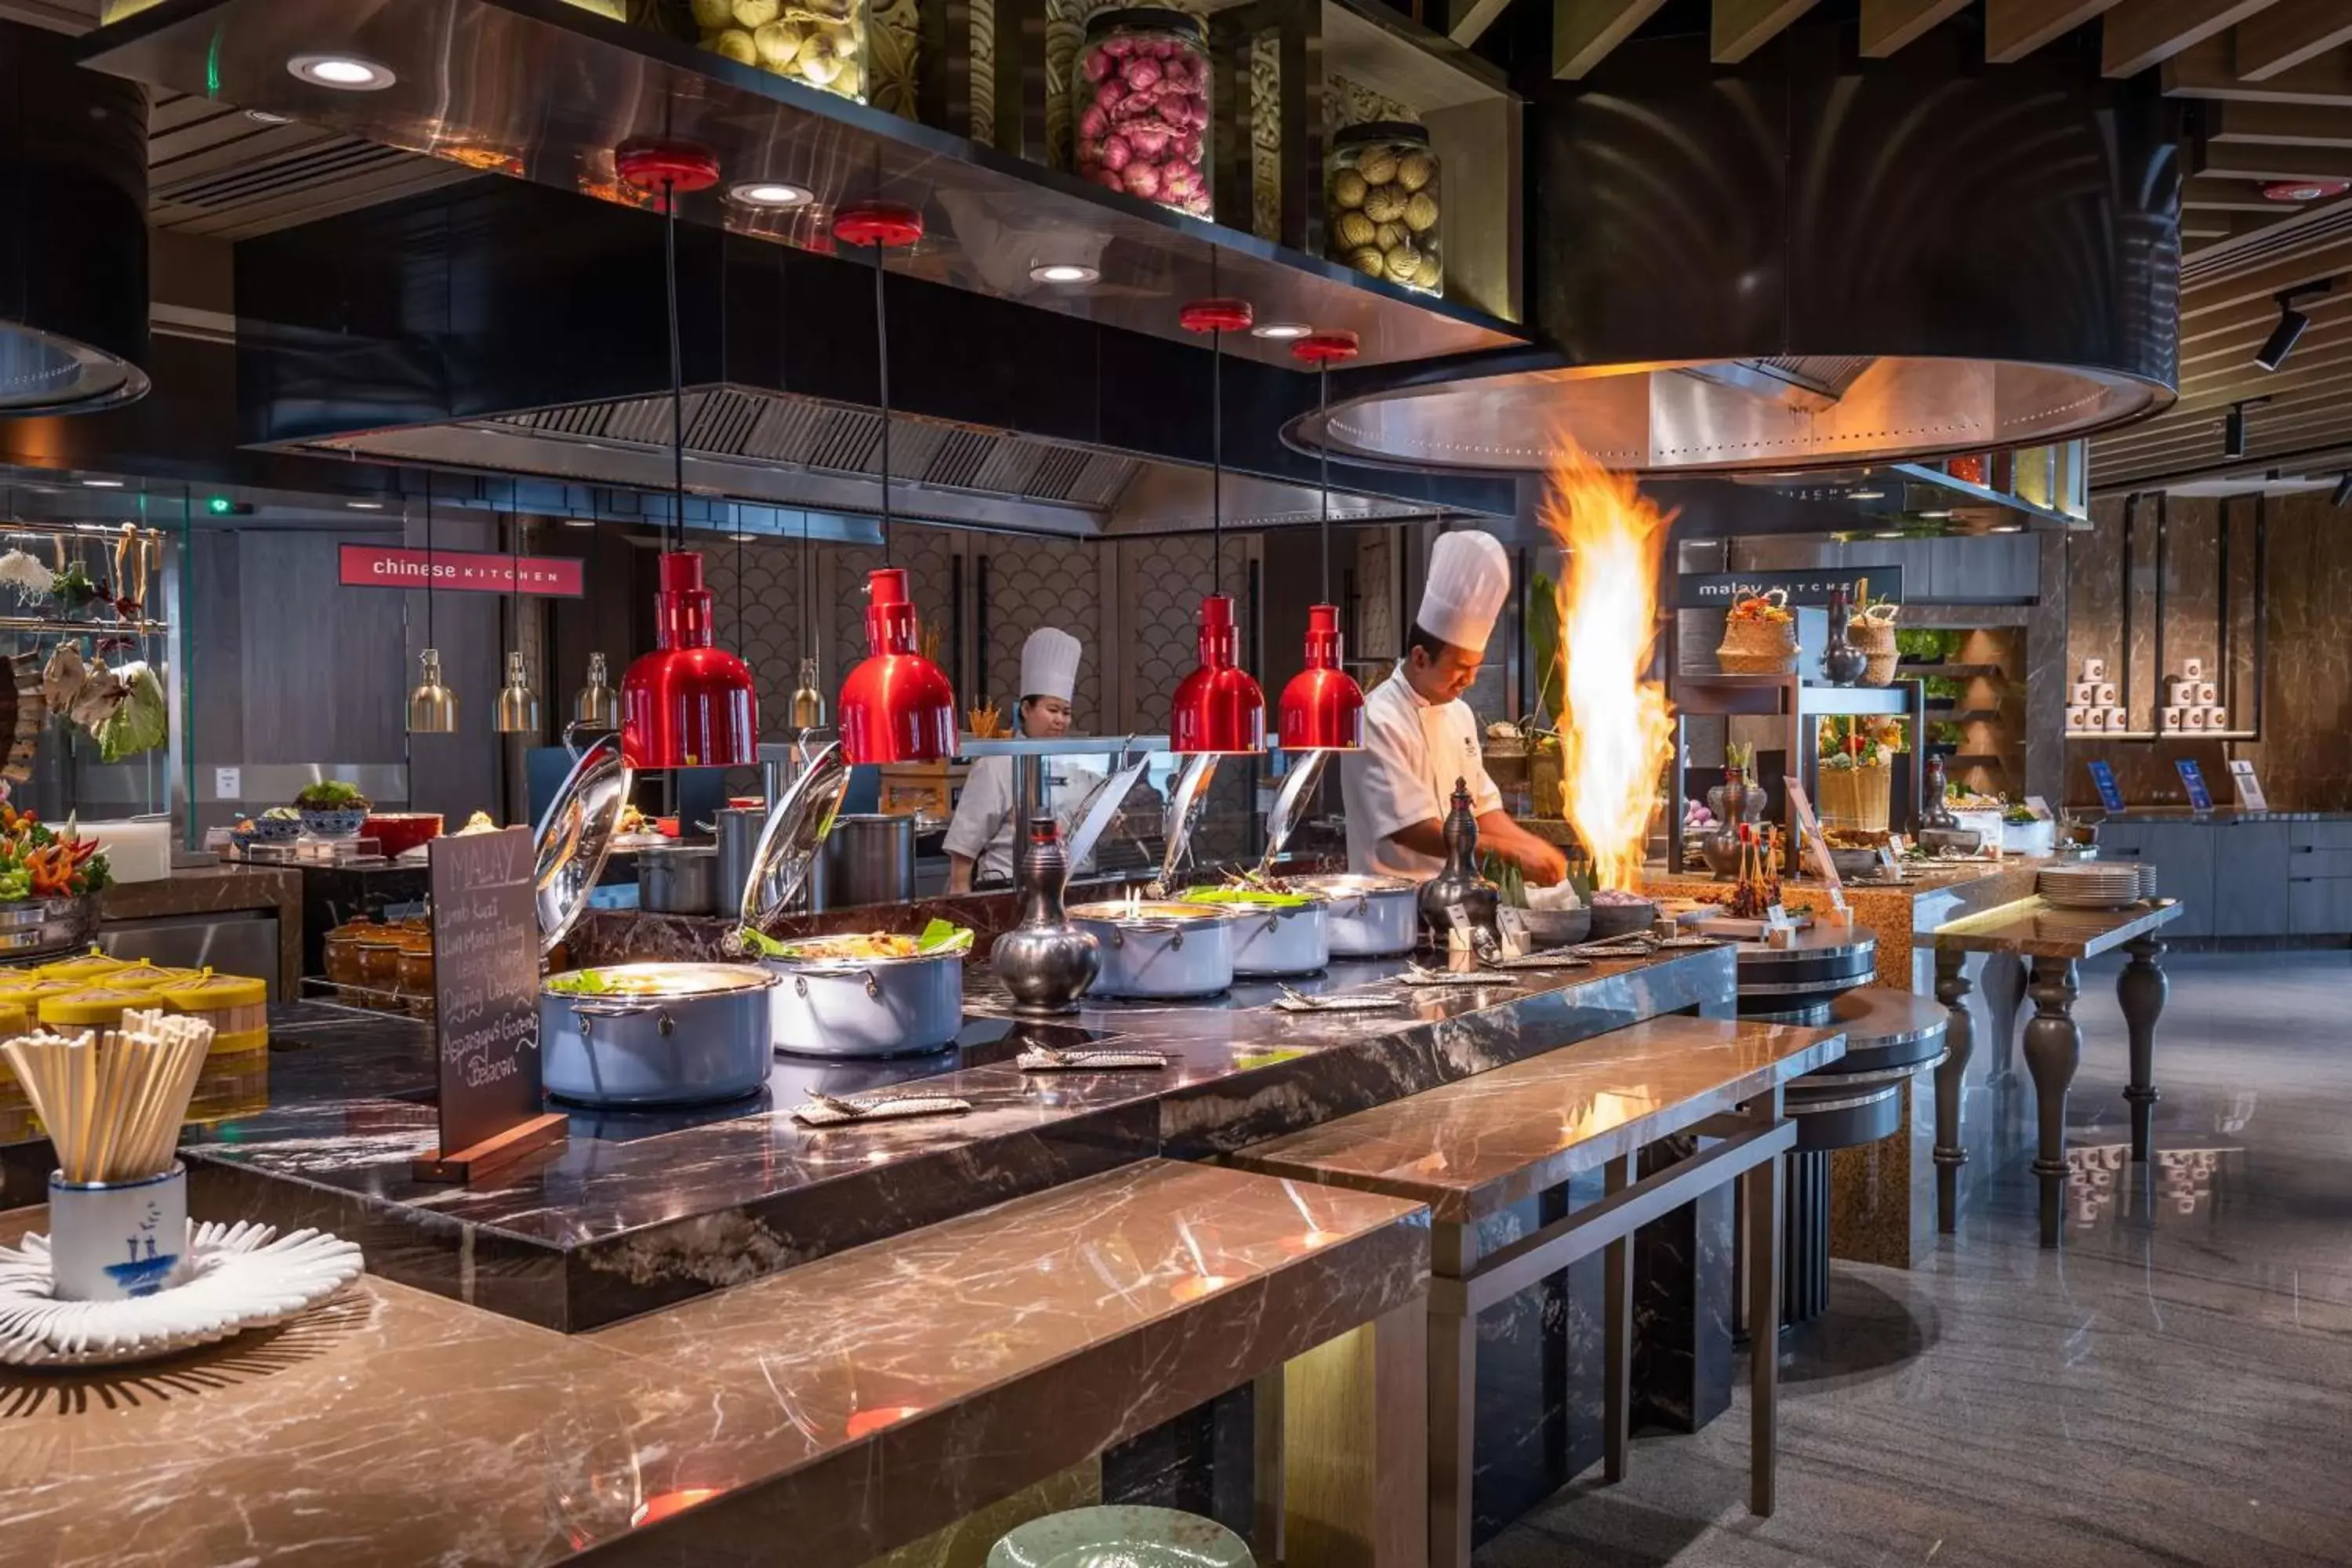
(485, 1006)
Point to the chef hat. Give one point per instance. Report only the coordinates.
(1049, 664)
(1469, 578)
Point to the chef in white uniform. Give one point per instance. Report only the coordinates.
(1420, 736)
(982, 838)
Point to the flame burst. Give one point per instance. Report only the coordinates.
(1616, 729)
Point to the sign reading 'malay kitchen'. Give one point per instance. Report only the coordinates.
(392, 567)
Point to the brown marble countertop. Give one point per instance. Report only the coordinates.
(2036, 928)
(1931, 892)
(848, 1408)
(1473, 1148)
(221, 889)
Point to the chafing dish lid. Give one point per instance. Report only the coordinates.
(575, 837)
(793, 836)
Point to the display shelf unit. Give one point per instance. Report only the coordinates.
(1798, 704)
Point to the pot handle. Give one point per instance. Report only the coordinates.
(586, 1010)
(1273, 924)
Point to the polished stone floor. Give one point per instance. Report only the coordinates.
(2173, 1386)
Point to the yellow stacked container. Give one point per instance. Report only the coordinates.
(235, 1080)
(15, 1109)
(145, 976)
(88, 969)
(91, 1007)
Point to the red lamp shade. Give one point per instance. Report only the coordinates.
(1322, 708)
(1218, 707)
(687, 704)
(896, 706)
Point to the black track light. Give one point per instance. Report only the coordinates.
(2233, 431)
(2291, 325)
(2342, 496)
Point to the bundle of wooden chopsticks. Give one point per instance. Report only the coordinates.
(113, 1102)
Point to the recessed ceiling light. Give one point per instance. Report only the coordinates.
(345, 73)
(579, 522)
(364, 505)
(102, 484)
(1865, 495)
(1888, 534)
(1936, 516)
(2008, 528)
(268, 116)
(1282, 332)
(2315, 190)
(741, 538)
(1064, 272)
(770, 194)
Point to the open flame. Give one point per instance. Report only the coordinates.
(1616, 729)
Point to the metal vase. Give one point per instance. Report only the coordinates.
(1721, 847)
(1046, 963)
(1843, 664)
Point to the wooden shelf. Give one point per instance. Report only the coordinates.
(2161, 735)
(1904, 671)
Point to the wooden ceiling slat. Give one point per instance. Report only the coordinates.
(2288, 389)
(1584, 31)
(2015, 28)
(2191, 435)
(2143, 32)
(2289, 34)
(2329, 260)
(2264, 444)
(1888, 25)
(1740, 27)
(2273, 161)
(2281, 125)
(2244, 326)
(2209, 70)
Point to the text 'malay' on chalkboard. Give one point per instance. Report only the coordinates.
(485, 984)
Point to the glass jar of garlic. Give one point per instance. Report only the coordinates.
(818, 42)
(1382, 211)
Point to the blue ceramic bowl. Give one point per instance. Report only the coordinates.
(334, 824)
(273, 829)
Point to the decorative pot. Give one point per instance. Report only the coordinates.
(1843, 664)
(1046, 963)
(1731, 802)
(1459, 884)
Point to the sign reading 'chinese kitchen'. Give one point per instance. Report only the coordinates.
(391, 566)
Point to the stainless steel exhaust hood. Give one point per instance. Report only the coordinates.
(1815, 260)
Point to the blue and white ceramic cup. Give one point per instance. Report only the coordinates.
(115, 1241)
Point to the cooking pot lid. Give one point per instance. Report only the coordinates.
(1101, 807)
(793, 836)
(1290, 802)
(575, 837)
(1190, 793)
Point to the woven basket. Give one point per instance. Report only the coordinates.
(1856, 798)
(1758, 647)
(1876, 639)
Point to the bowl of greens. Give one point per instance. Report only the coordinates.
(332, 809)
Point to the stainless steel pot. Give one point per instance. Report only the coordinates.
(866, 1006)
(1160, 951)
(1371, 917)
(866, 859)
(679, 880)
(1277, 942)
(737, 829)
(699, 1038)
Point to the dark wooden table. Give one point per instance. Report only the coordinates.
(2054, 941)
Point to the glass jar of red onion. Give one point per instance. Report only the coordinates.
(1140, 106)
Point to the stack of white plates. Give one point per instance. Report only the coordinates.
(2095, 885)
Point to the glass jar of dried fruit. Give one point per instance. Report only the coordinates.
(1383, 209)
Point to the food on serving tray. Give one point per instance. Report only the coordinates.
(939, 936)
(1261, 898)
(480, 822)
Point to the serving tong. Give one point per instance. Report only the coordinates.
(1295, 1001)
(823, 1110)
(1090, 1058)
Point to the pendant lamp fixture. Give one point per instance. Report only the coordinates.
(518, 706)
(1323, 707)
(897, 706)
(687, 704)
(808, 696)
(1218, 708)
(432, 706)
(596, 705)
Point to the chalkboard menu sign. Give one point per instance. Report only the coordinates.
(485, 999)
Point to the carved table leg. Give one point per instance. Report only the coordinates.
(1960, 1043)
(2003, 983)
(2054, 1049)
(2141, 988)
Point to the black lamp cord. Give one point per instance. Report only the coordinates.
(676, 369)
(1217, 461)
(428, 558)
(1323, 467)
(882, 351)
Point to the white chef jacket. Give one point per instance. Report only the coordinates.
(984, 815)
(1413, 750)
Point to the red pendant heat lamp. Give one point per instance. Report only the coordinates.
(687, 704)
(896, 705)
(1323, 707)
(1218, 707)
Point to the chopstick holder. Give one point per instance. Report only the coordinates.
(834, 1110)
(1102, 1059)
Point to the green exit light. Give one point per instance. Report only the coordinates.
(220, 506)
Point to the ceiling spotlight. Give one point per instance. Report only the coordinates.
(579, 522)
(1282, 332)
(364, 505)
(268, 116)
(770, 194)
(2290, 328)
(102, 484)
(345, 73)
(1064, 272)
(2233, 426)
(2342, 496)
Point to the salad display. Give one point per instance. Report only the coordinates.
(37, 862)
